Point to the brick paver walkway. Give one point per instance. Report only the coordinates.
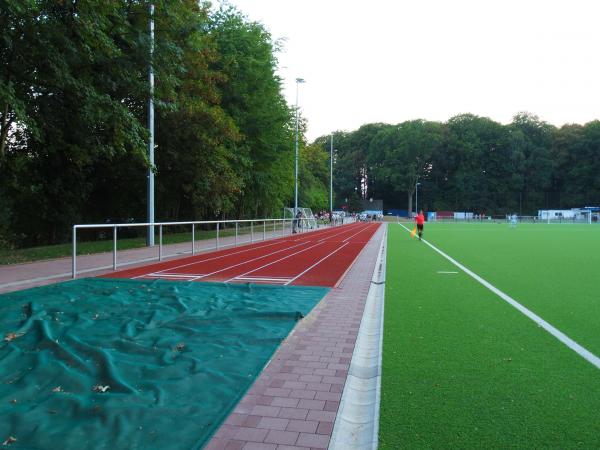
(294, 402)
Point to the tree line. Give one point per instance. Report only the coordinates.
(469, 163)
(73, 136)
(73, 112)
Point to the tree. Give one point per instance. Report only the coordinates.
(402, 154)
(252, 97)
(530, 164)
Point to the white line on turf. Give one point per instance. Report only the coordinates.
(445, 272)
(577, 348)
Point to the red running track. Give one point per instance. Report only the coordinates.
(318, 258)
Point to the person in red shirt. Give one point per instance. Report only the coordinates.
(420, 220)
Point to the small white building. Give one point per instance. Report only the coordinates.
(556, 214)
(463, 215)
(574, 214)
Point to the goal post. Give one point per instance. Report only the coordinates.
(306, 222)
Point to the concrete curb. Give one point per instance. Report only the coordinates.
(357, 422)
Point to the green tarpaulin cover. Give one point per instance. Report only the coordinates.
(128, 364)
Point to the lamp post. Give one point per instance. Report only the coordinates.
(331, 179)
(417, 198)
(150, 188)
(298, 81)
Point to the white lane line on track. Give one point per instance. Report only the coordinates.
(305, 239)
(248, 261)
(275, 280)
(171, 275)
(317, 263)
(212, 259)
(368, 227)
(577, 348)
(271, 278)
(274, 262)
(346, 231)
(324, 234)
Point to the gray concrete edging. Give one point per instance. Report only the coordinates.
(357, 422)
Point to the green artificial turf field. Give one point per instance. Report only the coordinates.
(464, 369)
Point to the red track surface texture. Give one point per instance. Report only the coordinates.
(318, 258)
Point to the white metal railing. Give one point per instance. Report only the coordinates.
(287, 227)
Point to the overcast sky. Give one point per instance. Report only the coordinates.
(390, 61)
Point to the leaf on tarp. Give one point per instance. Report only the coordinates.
(100, 388)
(58, 389)
(12, 336)
(179, 347)
(10, 440)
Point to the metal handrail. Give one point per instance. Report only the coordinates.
(116, 226)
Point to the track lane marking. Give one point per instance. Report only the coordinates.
(249, 261)
(274, 262)
(317, 263)
(577, 348)
(279, 240)
(210, 259)
(368, 227)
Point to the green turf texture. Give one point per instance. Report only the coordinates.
(553, 270)
(462, 368)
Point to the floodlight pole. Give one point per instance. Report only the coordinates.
(298, 81)
(331, 178)
(150, 236)
(417, 198)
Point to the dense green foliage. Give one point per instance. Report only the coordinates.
(73, 112)
(470, 163)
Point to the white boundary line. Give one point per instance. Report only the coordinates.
(248, 261)
(213, 258)
(303, 239)
(273, 262)
(293, 254)
(170, 275)
(274, 280)
(368, 227)
(317, 263)
(580, 350)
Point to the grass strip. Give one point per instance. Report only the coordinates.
(24, 255)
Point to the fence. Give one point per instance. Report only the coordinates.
(256, 228)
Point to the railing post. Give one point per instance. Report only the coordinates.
(251, 231)
(115, 247)
(218, 235)
(160, 242)
(74, 264)
(193, 238)
(264, 230)
(236, 233)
